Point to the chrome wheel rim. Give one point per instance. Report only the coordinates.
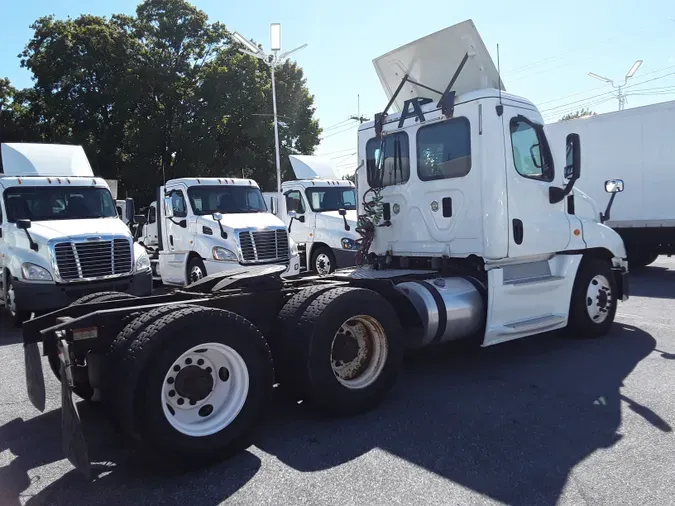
(599, 299)
(322, 263)
(196, 273)
(205, 389)
(359, 352)
(11, 300)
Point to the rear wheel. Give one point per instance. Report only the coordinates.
(594, 299)
(81, 374)
(343, 348)
(193, 383)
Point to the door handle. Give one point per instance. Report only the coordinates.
(171, 240)
(517, 231)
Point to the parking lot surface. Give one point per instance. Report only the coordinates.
(541, 421)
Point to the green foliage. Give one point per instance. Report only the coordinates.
(163, 93)
(578, 114)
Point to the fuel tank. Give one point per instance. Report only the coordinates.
(449, 308)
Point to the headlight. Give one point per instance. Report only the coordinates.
(224, 255)
(348, 243)
(143, 262)
(294, 247)
(35, 272)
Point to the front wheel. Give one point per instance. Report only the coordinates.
(323, 260)
(18, 315)
(594, 299)
(196, 270)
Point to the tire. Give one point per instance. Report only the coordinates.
(596, 276)
(17, 316)
(323, 260)
(82, 387)
(146, 379)
(196, 270)
(314, 322)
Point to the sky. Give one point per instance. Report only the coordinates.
(546, 49)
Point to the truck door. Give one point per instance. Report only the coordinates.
(151, 226)
(302, 229)
(535, 225)
(178, 236)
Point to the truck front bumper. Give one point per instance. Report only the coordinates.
(41, 297)
(344, 258)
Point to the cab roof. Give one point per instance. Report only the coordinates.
(212, 181)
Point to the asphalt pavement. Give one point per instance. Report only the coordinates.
(548, 420)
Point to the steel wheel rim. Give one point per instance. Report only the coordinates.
(598, 298)
(196, 273)
(194, 410)
(11, 300)
(359, 352)
(322, 263)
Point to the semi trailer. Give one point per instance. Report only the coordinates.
(635, 145)
(468, 233)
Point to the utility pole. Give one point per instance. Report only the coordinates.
(358, 116)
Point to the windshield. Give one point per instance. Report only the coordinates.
(331, 198)
(58, 203)
(226, 200)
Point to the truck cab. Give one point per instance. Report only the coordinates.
(210, 225)
(319, 209)
(461, 178)
(60, 234)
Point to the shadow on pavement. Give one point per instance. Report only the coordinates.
(118, 478)
(509, 422)
(654, 281)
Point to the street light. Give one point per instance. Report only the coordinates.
(252, 50)
(619, 88)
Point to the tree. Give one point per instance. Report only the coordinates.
(161, 94)
(581, 113)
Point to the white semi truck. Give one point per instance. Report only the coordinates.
(211, 225)
(468, 235)
(60, 235)
(319, 210)
(636, 145)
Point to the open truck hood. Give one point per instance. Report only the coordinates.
(313, 167)
(433, 60)
(26, 159)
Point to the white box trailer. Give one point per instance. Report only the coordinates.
(637, 146)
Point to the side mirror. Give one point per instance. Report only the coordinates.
(342, 212)
(23, 224)
(293, 216)
(274, 205)
(140, 219)
(130, 210)
(168, 207)
(217, 216)
(614, 185)
(573, 162)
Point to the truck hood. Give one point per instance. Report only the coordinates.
(44, 231)
(330, 216)
(246, 220)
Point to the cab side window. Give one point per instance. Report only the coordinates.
(152, 215)
(531, 154)
(294, 202)
(178, 204)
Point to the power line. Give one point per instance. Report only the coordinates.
(344, 156)
(351, 127)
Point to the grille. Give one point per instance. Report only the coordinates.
(264, 245)
(93, 259)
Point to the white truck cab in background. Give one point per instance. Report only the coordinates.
(467, 186)
(209, 225)
(320, 210)
(60, 235)
(636, 145)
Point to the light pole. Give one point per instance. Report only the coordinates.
(252, 50)
(619, 88)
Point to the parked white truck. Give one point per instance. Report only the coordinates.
(212, 225)
(60, 235)
(468, 236)
(637, 145)
(319, 210)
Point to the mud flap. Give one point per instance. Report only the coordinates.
(35, 381)
(72, 436)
